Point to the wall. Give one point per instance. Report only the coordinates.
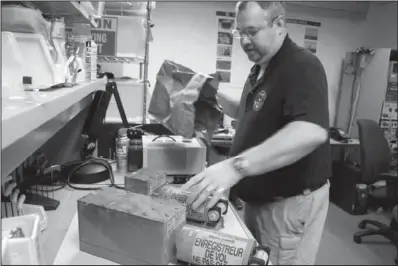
(381, 35)
(130, 42)
(373, 89)
(372, 92)
(186, 33)
(381, 27)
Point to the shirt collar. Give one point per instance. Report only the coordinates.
(287, 43)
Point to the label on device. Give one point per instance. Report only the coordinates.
(213, 249)
(174, 193)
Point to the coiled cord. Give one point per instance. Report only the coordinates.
(93, 160)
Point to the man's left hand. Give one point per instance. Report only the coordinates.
(212, 182)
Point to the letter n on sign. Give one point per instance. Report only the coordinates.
(105, 35)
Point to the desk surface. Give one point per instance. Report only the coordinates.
(61, 240)
(219, 142)
(351, 142)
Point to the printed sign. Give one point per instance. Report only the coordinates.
(104, 35)
(304, 33)
(225, 76)
(225, 42)
(223, 64)
(212, 249)
(303, 22)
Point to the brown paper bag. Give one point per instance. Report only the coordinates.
(185, 102)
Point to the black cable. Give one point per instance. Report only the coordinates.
(61, 186)
(66, 182)
(98, 161)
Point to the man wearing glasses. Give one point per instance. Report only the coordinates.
(280, 157)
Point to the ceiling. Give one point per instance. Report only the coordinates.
(352, 6)
(345, 9)
(352, 9)
(125, 8)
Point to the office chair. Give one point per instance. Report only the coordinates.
(376, 157)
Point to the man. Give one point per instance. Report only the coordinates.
(280, 157)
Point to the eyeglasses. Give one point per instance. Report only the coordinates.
(252, 31)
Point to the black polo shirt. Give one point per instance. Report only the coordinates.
(293, 88)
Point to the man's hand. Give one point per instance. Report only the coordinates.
(212, 182)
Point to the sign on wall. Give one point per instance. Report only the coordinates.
(225, 41)
(104, 35)
(304, 33)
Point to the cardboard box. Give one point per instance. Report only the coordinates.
(144, 181)
(129, 228)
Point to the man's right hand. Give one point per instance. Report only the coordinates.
(228, 102)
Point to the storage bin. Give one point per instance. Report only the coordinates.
(25, 250)
(36, 209)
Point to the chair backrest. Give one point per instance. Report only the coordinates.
(375, 151)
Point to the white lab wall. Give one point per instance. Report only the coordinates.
(186, 32)
(373, 90)
(130, 42)
(381, 35)
(381, 26)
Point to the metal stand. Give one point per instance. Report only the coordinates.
(97, 113)
(146, 60)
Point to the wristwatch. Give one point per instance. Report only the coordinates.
(241, 165)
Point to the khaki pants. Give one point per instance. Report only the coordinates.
(291, 227)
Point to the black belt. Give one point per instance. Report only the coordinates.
(306, 191)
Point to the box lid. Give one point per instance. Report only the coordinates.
(135, 204)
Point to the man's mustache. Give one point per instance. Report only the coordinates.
(248, 48)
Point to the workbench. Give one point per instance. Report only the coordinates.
(60, 240)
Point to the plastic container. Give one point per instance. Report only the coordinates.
(87, 62)
(12, 63)
(94, 53)
(122, 146)
(5, 260)
(36, 209)
(37, 60)
(361, 201)
(58, 39)
(23, 20)
(25, 250)
(81, 34)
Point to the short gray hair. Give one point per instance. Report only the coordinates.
(274, 8)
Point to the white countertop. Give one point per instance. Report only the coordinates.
(26, 111)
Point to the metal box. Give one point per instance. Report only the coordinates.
(144, 181)
(174, 154)
(129, 228)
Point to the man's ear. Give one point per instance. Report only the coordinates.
(280, 22)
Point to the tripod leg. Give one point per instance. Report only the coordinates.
(119, 105)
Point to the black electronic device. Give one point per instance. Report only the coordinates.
(93, 173)
(86, 174)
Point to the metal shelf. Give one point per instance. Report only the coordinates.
(118, 59)
(27, 125)
(71, 11)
